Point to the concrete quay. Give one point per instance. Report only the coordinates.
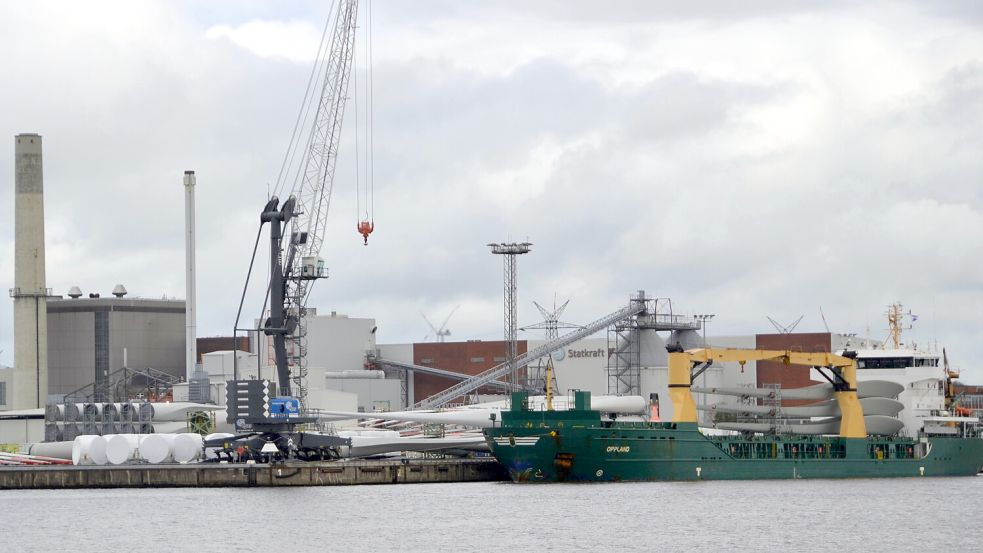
(213, 475)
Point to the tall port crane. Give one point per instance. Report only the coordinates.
(307, 207)
(268, 415)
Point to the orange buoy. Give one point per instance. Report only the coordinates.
(365, 228)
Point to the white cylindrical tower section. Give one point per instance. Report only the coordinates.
(189, 248)
(30, 385)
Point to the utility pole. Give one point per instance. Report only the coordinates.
(509, 251)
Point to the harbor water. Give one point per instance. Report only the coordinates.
(914, 514)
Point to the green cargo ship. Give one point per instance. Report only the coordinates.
(579, 445)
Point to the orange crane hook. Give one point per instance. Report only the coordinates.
(365, 228)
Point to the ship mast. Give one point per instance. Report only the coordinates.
(895, 317)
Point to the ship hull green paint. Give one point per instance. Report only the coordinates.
(556, 446)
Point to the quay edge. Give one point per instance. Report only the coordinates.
(258, 475)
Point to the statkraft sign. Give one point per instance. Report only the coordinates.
(583, 353)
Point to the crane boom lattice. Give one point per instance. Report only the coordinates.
(314, 184)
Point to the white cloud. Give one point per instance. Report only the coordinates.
(293, 40)
(757, 163)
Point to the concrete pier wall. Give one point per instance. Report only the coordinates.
(241, 475)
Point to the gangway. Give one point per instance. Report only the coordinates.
(500, 370)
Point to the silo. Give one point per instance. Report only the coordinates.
(30, 385)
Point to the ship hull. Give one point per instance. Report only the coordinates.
(550, 449)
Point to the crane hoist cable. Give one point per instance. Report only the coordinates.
(365, 190)
(297, 263)
(301, 123)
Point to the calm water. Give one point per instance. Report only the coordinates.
(930, 514)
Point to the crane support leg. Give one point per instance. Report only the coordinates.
(852, 424)
(280, 323)
(680, 379)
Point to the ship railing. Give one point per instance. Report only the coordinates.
(807, 447)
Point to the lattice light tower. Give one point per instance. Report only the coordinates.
(509, 251)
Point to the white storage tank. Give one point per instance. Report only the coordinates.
(157, 448)
(122, 448)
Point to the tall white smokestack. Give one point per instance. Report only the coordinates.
(189, 248)
(30, 386)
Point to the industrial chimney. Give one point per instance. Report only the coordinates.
(30, 386)
(189, 275)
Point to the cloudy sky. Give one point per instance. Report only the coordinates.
(766, 160)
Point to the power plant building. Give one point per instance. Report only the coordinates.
(89, 338)
(6, 380)
(336, 349)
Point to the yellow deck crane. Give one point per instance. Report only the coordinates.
(839, 370)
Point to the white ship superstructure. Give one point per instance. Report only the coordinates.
(923, 374)
(920, 373)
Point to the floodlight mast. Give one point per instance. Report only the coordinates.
(509, 251)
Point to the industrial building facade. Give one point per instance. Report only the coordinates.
(771, 373)
(471, 357)
(89, 338)
(337, 347)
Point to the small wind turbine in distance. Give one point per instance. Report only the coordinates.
(785, 329)
(442, 332)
